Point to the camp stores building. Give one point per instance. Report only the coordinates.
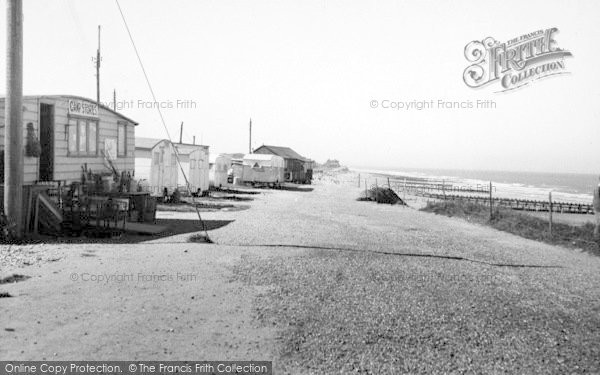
(63, 133)
(295, 168)
(155, 162)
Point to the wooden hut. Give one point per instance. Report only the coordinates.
(144, 162)
(70, 132)
(295, 170)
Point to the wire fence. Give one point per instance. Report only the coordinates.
(440, 190)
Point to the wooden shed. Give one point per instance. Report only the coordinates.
(145, 163)
(295, 170)
(71, 131)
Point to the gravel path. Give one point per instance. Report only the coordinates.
(319, 283)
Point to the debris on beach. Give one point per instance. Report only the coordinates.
(381, 195)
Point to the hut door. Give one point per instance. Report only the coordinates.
(161, 168)
(46, 167)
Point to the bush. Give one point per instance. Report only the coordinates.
(382, 195)
(520, 224)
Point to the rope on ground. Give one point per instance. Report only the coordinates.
(450, 257)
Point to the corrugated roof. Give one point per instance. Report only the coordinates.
(146, 143)
(142, 143)
(261, 157)
(284, 152)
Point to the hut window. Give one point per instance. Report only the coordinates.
(82, 137)
(92, 138)
(72, 137)
(122, 140)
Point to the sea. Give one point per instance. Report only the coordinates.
(565, 187)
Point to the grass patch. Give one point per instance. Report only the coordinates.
(524, 225)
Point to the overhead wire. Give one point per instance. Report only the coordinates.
(162, 119)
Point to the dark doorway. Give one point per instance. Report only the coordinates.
(47, 142)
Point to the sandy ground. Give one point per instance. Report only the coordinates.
(197, 307)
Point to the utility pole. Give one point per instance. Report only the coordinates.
(250, 139)
(194, 139)
(115, 100)
(181, 133)
(98, 58)
(13, 131)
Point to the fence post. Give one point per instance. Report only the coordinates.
(389, 186)
(444, 188)
(491, 203)
(550, 211)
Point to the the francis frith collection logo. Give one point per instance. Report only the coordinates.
(515, 63)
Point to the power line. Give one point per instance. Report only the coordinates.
(162, 119)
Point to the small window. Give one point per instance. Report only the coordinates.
(122, 139)
(92, 138)
(82, 137)
(72, 137)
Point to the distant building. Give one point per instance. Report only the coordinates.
(296, 166)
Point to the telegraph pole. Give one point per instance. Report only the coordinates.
(13, 131)
(98, 71)
(181, 133)
(250, 139)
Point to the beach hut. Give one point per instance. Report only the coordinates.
(295, 171)
(143, 157)
(263, 168)
(199, 167)
(219, 167)
(63, 133)
(163, 168)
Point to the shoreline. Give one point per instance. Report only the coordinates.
(506, 190)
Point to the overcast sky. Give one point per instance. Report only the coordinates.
(307, 72)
